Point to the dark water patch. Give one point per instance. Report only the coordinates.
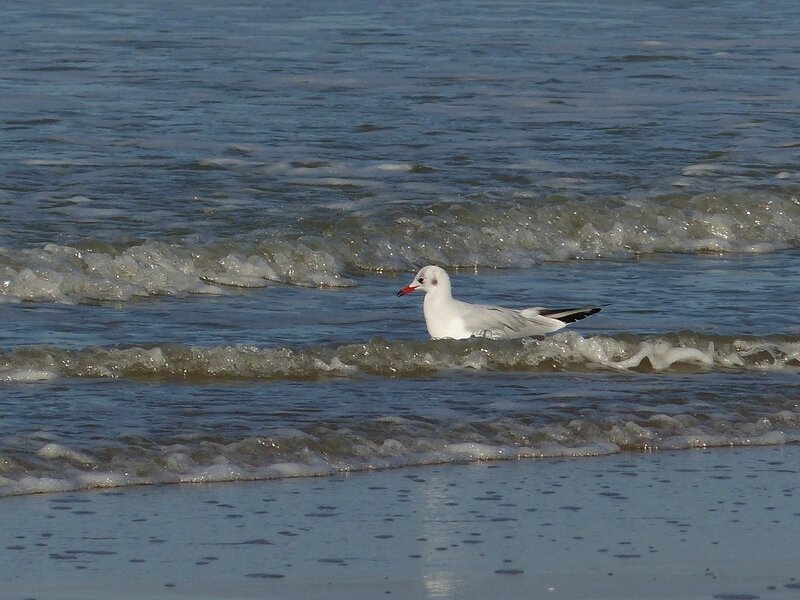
(252, 542)
(509, 571)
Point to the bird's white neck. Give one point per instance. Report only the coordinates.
(441, 294)
(438, 313)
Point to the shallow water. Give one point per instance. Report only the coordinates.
(704, 524)
(207, 210)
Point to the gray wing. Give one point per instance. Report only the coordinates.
(497, 322)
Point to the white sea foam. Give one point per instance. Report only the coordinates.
(516, 233)
(107, 480)
(55, 451)
(27, 375)
(394, 167)
(296, 469)
(38, 485)
(662, 355)
(67, 274)
(477, 451)
(660, 432)
(388, 443)
(567, 351)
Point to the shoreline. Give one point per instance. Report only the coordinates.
(687, 524)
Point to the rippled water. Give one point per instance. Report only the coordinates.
(207, 211)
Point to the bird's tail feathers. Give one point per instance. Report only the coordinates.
(566, 315)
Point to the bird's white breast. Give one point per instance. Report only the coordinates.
(443, 319)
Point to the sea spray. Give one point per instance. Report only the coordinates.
(683, 352)
(325, 251)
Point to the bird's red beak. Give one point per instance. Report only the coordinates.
(406, 290)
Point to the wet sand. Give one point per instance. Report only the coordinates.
(721, 523)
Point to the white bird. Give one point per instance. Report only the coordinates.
(447, 317)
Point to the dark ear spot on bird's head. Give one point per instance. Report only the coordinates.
(435, 281)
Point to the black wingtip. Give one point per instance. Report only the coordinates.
(570, 315)
(581, 315)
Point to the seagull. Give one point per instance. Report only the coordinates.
(446, 317)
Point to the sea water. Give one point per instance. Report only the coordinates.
(207, 209)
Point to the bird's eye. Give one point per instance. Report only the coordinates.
(421, 280)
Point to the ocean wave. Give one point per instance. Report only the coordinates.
(327, 249)
(490, 232)
(569, 351)
(100, 272)
(33, 465)
(328, 443)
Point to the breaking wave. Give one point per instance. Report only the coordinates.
(673, 353)
(328, 249)
(99, 272)
(385, 444)
(323, 444)
(35, 464)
